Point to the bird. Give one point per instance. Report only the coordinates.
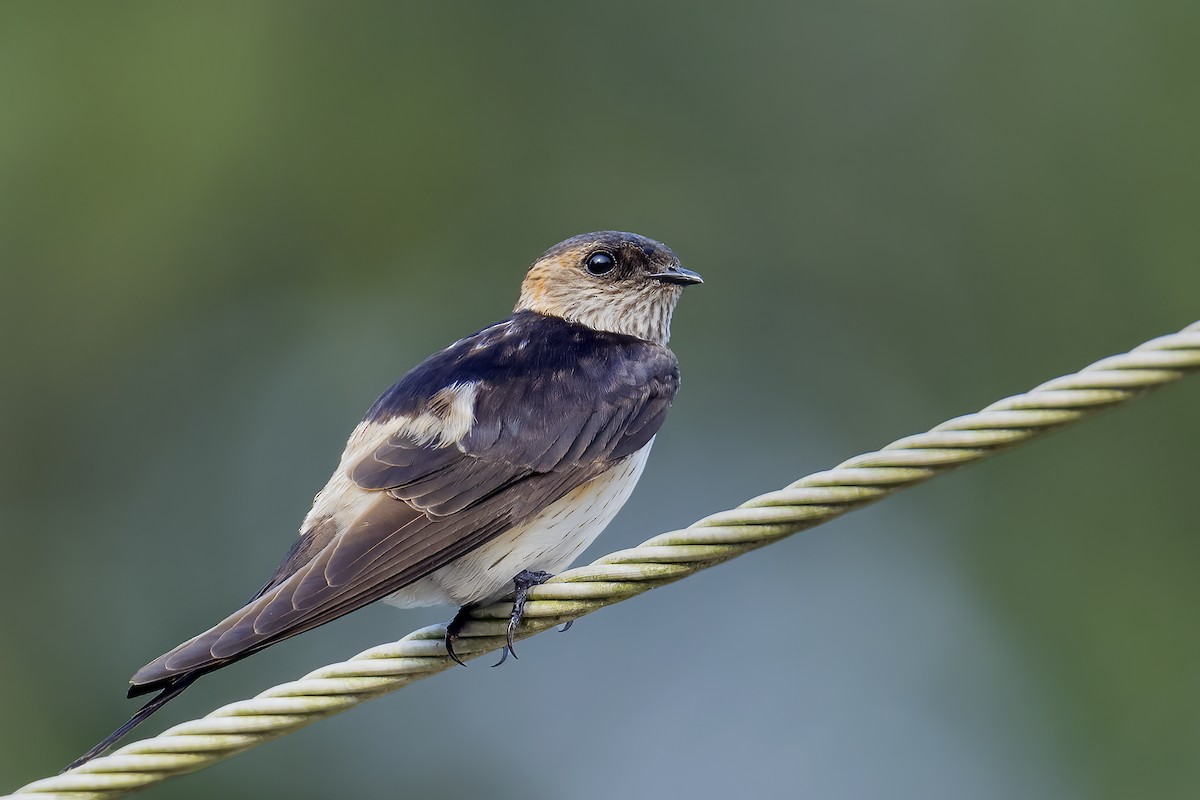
(483, 471)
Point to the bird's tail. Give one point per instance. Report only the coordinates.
(168, 693)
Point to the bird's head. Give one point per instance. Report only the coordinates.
(609, 281)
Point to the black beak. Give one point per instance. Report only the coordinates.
(678, 275)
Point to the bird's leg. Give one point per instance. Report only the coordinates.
(455, 628)
(524, 581)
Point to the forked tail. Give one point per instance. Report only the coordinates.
(169, 693)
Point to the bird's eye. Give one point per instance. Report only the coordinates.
(600, 263)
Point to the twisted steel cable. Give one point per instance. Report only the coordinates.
(818, 498)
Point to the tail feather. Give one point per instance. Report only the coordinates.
(169, 693)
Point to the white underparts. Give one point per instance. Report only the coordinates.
(550, 542)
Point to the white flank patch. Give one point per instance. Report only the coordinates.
(446, 419)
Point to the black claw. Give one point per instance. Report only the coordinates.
(524, 581)
(566, 627)
(454, 629)
(450, 650)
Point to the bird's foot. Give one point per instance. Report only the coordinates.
(454, 629)
(524, 581)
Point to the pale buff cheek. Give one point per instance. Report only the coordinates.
(645, 315)
(535, 287)
(644, 312)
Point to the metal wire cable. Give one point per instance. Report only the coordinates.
(818, 498)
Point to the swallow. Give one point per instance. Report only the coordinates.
(483, 471)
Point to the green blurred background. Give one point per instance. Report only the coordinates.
(225, 228)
